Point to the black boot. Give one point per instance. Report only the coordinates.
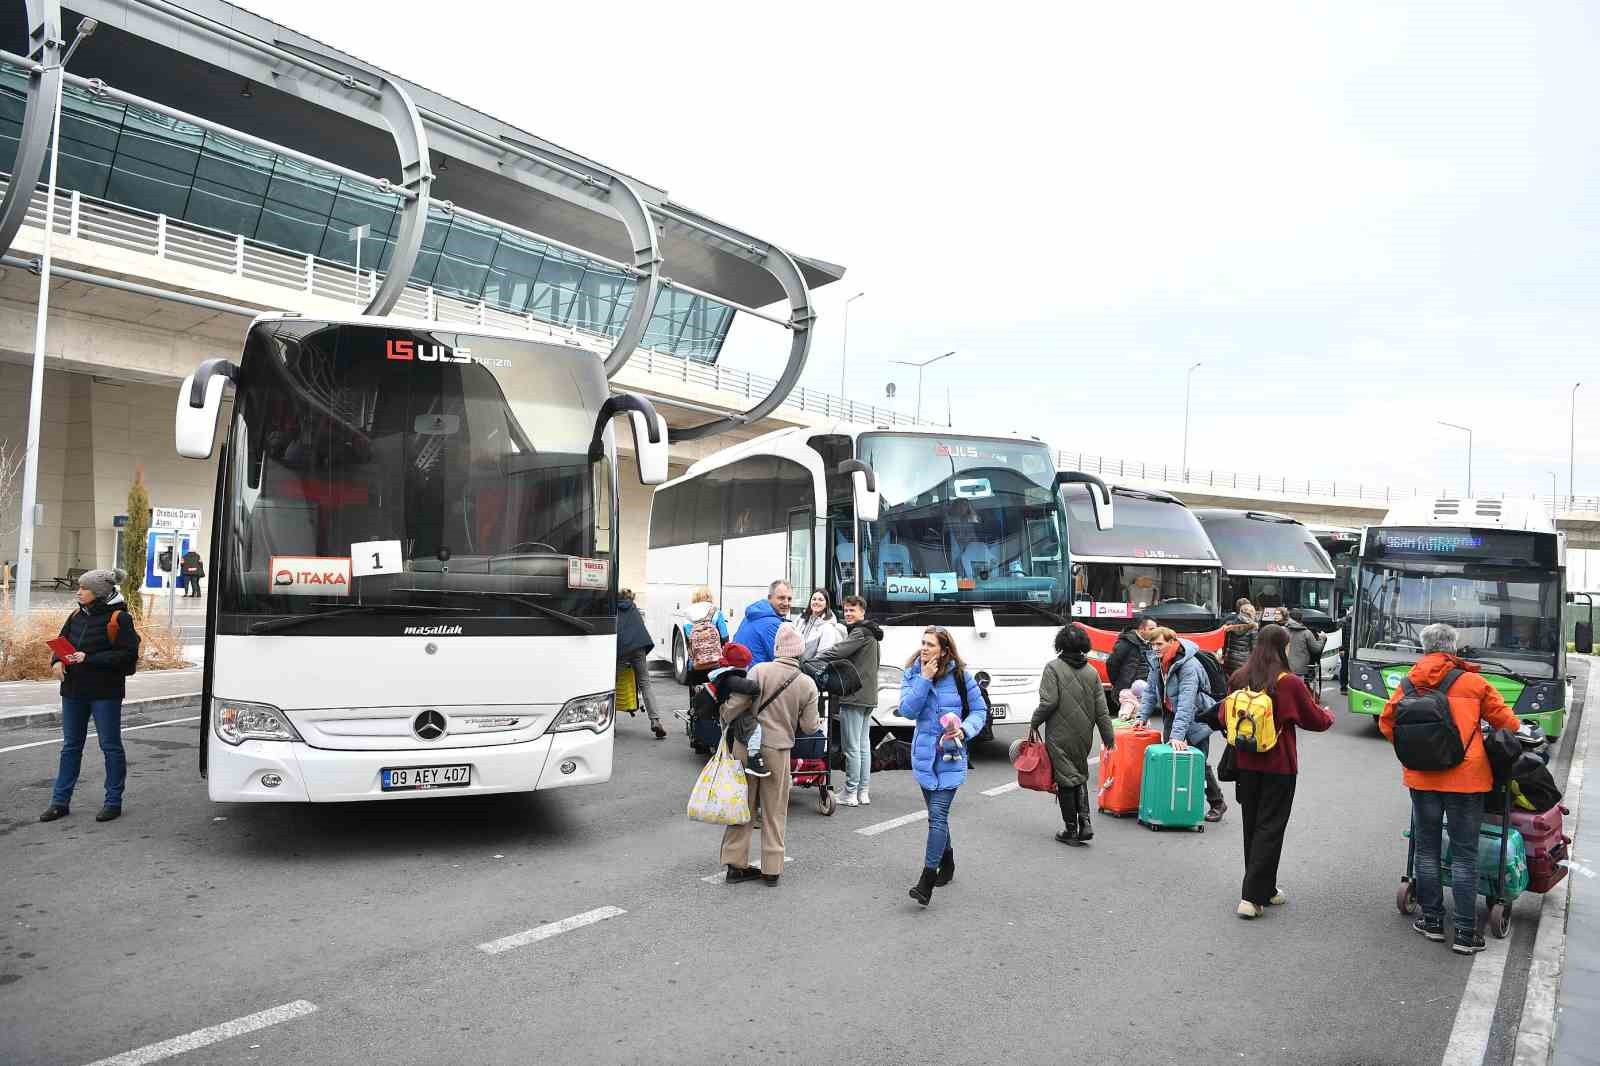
(922, 891)
(1069, 835)
(1085, 830)
(947, 868)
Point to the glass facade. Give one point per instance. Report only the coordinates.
(155, 163)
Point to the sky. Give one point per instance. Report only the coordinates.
(1360, 218)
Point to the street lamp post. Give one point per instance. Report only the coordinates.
(1188, 383)
(30, 463)
(1468, 432)
(844, 347)
(920, 368)
(358, 234)
(1572, 445)
(1555, 502)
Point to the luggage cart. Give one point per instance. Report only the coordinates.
(810, 764)
(1499, 923)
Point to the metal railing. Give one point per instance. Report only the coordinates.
(129, 228)
(1270, 485)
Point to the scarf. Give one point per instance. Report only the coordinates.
(1076, 660)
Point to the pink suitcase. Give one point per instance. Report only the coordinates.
(1542, 832)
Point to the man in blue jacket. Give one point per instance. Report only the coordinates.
(1176, 686)
(761, 622)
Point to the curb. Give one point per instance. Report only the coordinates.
(47, 715)
(1536, 1029)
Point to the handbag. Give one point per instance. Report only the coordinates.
(1032, 763)
(721, 794)
(891, 753)
(1227, 765)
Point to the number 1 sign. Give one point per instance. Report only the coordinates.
(375, 557)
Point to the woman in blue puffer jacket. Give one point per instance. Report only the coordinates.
(928, 692)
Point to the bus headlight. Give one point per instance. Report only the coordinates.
(236, 722)
(586, 712)
(1368, 679)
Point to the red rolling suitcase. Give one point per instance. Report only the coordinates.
(1547, 844)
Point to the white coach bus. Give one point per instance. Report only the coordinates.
(932, 528)
(414, 561)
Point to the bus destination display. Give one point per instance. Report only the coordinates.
(1480, 545)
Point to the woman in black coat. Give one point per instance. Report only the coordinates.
(633, 649)
(94, 679)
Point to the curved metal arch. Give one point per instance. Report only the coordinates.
(801, 316)
(44, 89)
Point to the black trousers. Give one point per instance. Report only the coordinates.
(1265, 801)
(1074, 804)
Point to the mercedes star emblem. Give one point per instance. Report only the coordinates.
(429, 725)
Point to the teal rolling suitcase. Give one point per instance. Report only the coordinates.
(1173, 792)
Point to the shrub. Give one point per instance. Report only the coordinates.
(24, 657)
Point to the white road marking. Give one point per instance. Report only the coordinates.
(892, 823)
(1469, 1039)
(545, 932)
(721, 876)
(126, 729)
(205, 1037)
(1001, 790)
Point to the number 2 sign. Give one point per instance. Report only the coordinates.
(375, 557)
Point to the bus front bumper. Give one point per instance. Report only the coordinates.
(314, 775)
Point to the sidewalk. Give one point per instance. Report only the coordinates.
(1577, 1024)
(35, 703)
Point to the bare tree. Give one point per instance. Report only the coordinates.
(10, 488)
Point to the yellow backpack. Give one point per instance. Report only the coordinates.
(1247, 718)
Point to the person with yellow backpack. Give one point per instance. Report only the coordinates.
(1266, 703)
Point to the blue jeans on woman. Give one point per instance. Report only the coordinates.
(75, 716)
(855, 730)
(938, 800)
(1463, 811)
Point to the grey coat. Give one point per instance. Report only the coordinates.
(1071, 707)
(1305, 648)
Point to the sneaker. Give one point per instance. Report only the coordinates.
(1434, 931)
(737, 874)
(1216, 812)
(1278, 898)
(108, 814)
(755, 766)
(656, 728)
(1467, 943)
(54, 811)
(1248, 910)
(862, 796)
(848, 799)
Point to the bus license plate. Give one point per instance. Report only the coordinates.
(412, 778)
(999, 710)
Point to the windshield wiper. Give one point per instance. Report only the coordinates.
(932, 608)
(274, 625)
(937, 608)
(582, 625)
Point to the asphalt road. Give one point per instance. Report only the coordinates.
(184, 915)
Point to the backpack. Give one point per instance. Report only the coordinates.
(113, 631)
(1248, 720)
(705, 644)
(1216, 676)
(1425, 733)
(833, 677)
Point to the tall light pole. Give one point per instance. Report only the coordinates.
(1572, 445)
(1555, 503)
(1188, 383)
(30, 463)
(920, 368)
(844, 348)
(1468, 432)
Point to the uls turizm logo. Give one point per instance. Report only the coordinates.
(406, 351)
(432, 631)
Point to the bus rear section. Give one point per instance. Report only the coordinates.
(1155, 561)
(1492, 570)
(414, 566)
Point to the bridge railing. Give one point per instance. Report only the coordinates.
(129, 228)
(1353, 491)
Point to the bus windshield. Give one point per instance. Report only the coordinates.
(964, 520)
(1506, 616)
(386, 470)
(1156, 559)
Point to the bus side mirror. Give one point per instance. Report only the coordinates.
(199, 401)
(649, 435)
(1099, 495)
(864, 486)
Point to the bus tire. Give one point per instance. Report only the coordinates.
(680, 657)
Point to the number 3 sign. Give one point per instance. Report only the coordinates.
(375, 557)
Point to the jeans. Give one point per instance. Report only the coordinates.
(1265, 801)
(641, 682)
(855, 727)
(75, 715)
(938, 800)
(1463, 812)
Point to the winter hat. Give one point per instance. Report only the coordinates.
(103, 583)
(736, 656)
(788, 644)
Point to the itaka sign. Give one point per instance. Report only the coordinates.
(310, 575)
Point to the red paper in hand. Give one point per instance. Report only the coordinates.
(62, 647)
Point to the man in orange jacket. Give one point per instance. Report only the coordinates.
(1454, 795)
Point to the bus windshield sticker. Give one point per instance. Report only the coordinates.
(942, 584)
(971, 488)
(909, 588)
(588, 573)
(1096, 609)
(310, 575)
(371, 557)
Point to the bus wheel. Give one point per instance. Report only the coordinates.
(680, 658)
